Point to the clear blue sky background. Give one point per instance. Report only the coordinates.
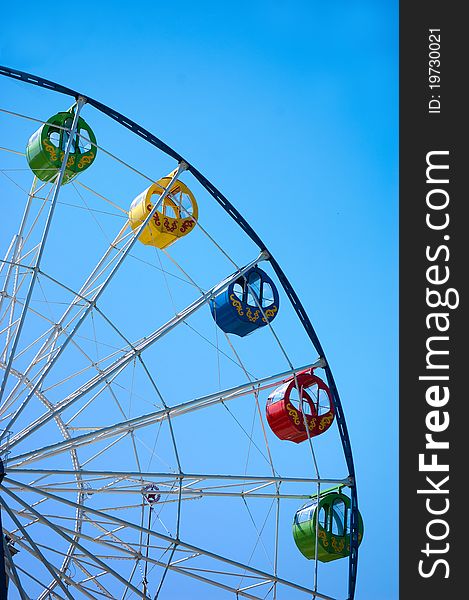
(260, 96)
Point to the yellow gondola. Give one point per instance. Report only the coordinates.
(175, 218)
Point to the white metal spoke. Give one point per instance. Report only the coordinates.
(34, 547)
(50, 594)
(173, 565)
(49, 589)
(144, 420)
(166, 538)
(102, 287)
(11, 571)
(76, 544)
(195, 477)
(60, 572)
(119, 544)
(47, 225)
(198, 492)
(123, 361)
(30, 380)
(47, 350)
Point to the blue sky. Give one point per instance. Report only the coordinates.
(291, 109)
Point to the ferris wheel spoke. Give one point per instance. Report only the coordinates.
(131, 550)
(11, 327)
(168, 479)
(102, 287)
(187, 493)
(57, 185)
(11, 571)
(35, 549)
(68, 555)
(121, 362)
(63, 430)
(94, 559)
(46, 593)
(236, 360)
(209, 577)
(211, 582)
(195, 572)
(122, 427)
(62, 572)
(93, 578)
(49, 590)
(136, 553)
(10, 293)
(12, 322)
(169, 565)
(29, 382)
(210, 555)
(6, 263)
(13, 253)
(114, 543)
(48, 350)
(16, 392)
(259, 532)
(54, 413)
(131, 578)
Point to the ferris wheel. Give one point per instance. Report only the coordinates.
(169, 423)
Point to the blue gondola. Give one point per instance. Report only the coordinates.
(238, 309)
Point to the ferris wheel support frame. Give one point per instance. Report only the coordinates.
(288, 288)
(3, 576)
(57, 184)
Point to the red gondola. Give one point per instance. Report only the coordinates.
(291, 404)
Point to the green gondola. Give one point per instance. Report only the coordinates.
(333, 528)
(46, 148)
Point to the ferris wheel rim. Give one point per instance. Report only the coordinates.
(295, 301)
